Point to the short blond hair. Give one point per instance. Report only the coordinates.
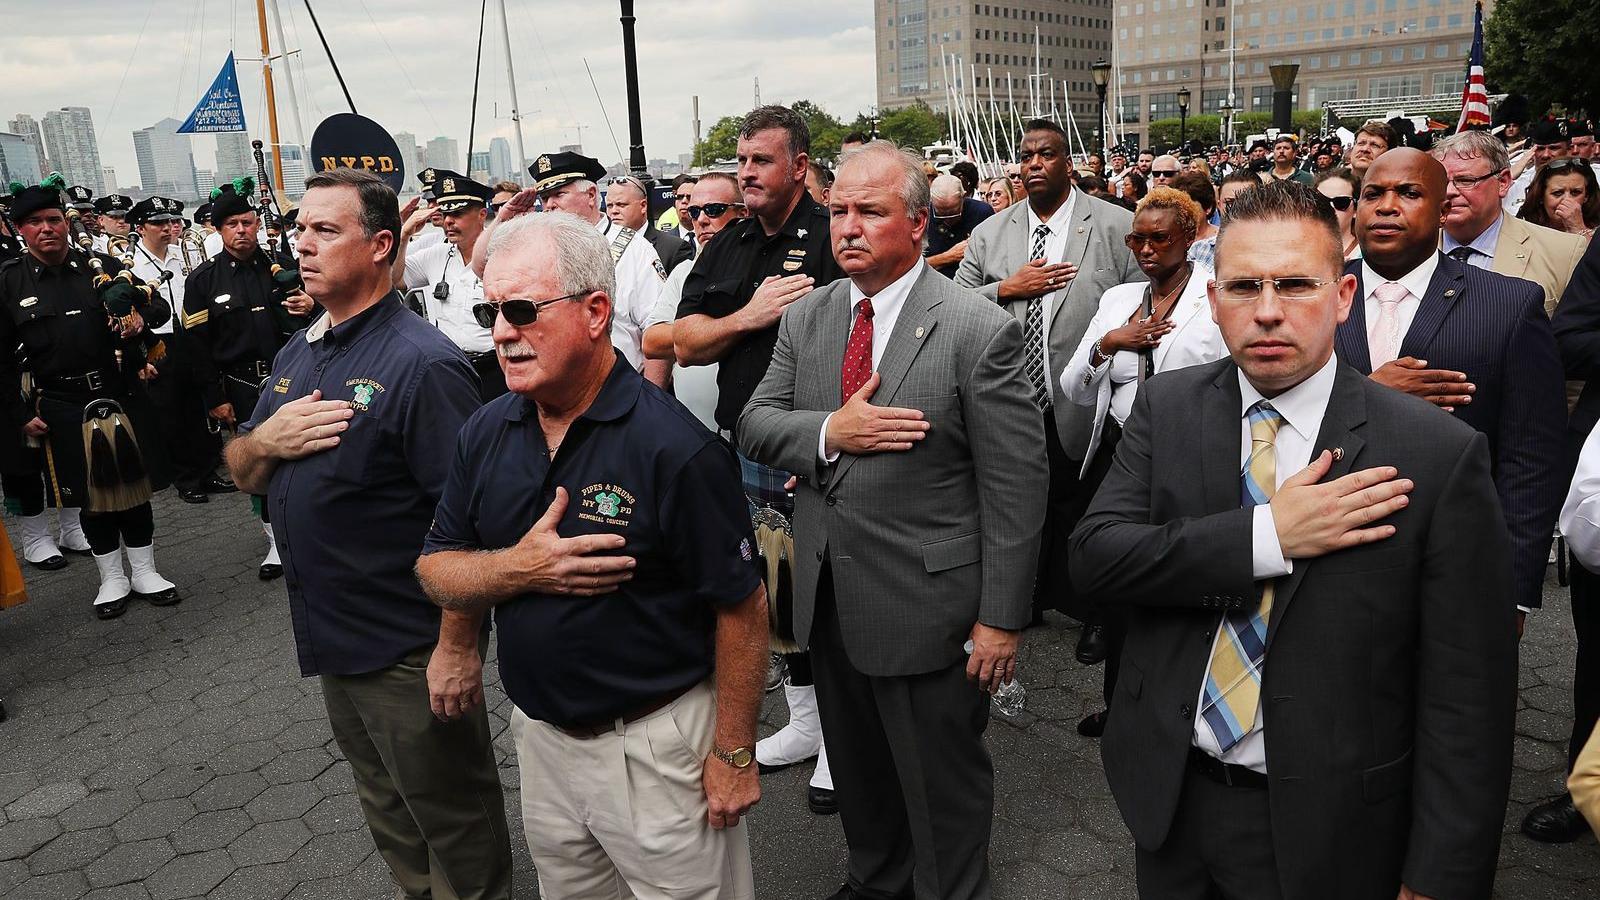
(1188, 212)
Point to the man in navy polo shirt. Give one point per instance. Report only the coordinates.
(351, 443)
(608, 530)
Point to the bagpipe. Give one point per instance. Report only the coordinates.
(286, 278)
(122, 294)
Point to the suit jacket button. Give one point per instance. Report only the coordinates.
(832, 500)
(819, 556)
(1185, 712)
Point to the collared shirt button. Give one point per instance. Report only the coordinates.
(819, 556)
(1185, 711)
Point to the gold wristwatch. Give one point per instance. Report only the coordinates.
(738, 757)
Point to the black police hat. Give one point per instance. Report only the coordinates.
(1260, 144)
(154, 209)
(202, 213)
(428, 178)
(454, 192)
(80, 198)
(1549, 131)
(1579, 128)
(113, 203)
(552, 170)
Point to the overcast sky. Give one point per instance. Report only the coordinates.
(409, 65)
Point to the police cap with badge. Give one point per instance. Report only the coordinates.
(80, 198)
(154, 210)
(1549, 131)
(114, 205)
(454, 192)
(553, 170)
(428, 178)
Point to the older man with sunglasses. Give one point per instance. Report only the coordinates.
(608, 532)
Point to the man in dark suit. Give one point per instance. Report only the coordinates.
(1318, 684)
(901, 401)
(628, 204)
(1470, 341)
(1577, 327)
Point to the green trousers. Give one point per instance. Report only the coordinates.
(429, 789)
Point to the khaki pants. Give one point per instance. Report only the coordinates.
(428, 789)
(622, 815)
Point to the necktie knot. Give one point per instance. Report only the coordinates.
(865, 309)
(1463, 254)
(1264, 419)
(1390, 293)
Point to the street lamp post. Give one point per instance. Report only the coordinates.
(1183, 117)
(1102, 77)
(1226, 110)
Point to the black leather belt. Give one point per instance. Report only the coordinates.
(583, 731)
(1225, 773)
(87, 382)
(250, 371)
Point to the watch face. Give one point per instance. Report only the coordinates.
(741, 757)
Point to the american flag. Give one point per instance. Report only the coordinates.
(1475, 96)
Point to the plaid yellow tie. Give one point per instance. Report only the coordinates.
(1233, 682)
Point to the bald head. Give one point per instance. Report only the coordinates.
(1398, 215)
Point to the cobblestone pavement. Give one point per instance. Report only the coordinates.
(176, 753)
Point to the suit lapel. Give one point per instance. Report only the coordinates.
(1444, 290)
(1347, 412)
(1220, 437)
(835, 334)
(1510, 249)
(1079, 227)
(1351, 338)
(1190, 305)
(912, 329)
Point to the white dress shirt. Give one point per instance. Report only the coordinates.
(442, 263)
(147, 267)
(1517, 194)
(1055, 247)
(1415, 281)
(1302, 408)
(1580, 515)
(1483, 244)
(639, 279)
(886, 306)
(694, 386)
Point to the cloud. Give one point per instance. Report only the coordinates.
(409, 65)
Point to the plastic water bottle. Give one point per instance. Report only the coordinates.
(1009, 698)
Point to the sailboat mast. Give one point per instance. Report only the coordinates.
(288, 79)
(272, 103)
(511, 82)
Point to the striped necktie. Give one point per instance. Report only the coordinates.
(1233, 681)
(1033, 332)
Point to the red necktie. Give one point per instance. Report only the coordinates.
(858, 352)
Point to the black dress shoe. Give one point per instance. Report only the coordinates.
(1555, 822)
(104, 611)
(821, 801)
(1093, 725)
(1092, 644)
(50, 563)
(193, 496)
(215, 485)
(168, 597)
(269, 571)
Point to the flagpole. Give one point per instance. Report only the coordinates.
(272, 104)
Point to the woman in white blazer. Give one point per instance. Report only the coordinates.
(1140, 329)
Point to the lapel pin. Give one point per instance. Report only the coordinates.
(1338, 454)
(1080, 229)
(921, 331)
(1450, 293)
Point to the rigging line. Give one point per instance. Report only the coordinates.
(199, 58)
(329, 51)
(100, 133)
(299, 59)
(603, 113)
(554, 76)
(401, 66)
(183, 64)
(477, 75)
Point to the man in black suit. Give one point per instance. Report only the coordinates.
(1468, 340)
(1318, 684)
(1577, 327)
(628, 204)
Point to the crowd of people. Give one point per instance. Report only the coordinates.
(1287, 430)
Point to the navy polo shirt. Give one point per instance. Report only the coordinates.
(638, 464)
(944, 234)
(350, 521)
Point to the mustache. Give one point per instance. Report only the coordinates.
(514, 350)
(850, 243)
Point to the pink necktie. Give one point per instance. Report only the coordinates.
(1384, 335)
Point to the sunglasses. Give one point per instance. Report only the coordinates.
(713, 210)
(1165, 173)
(1157, 241)
(1340, 203)
(1566, 162)
(517, 312)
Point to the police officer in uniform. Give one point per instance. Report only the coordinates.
(444, 275)
(112, 213)
(10, 244)
(81, 200)
(193, 450)
(239, 308)
(84, 344)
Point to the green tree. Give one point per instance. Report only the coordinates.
(1540, 48)
(827, 132)
(912, 127)
(721, 142)
(1208, 128)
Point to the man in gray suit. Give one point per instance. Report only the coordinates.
(1319, 680)
(900, 401)
(1048, 261)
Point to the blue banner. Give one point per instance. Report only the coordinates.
(220, 109)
